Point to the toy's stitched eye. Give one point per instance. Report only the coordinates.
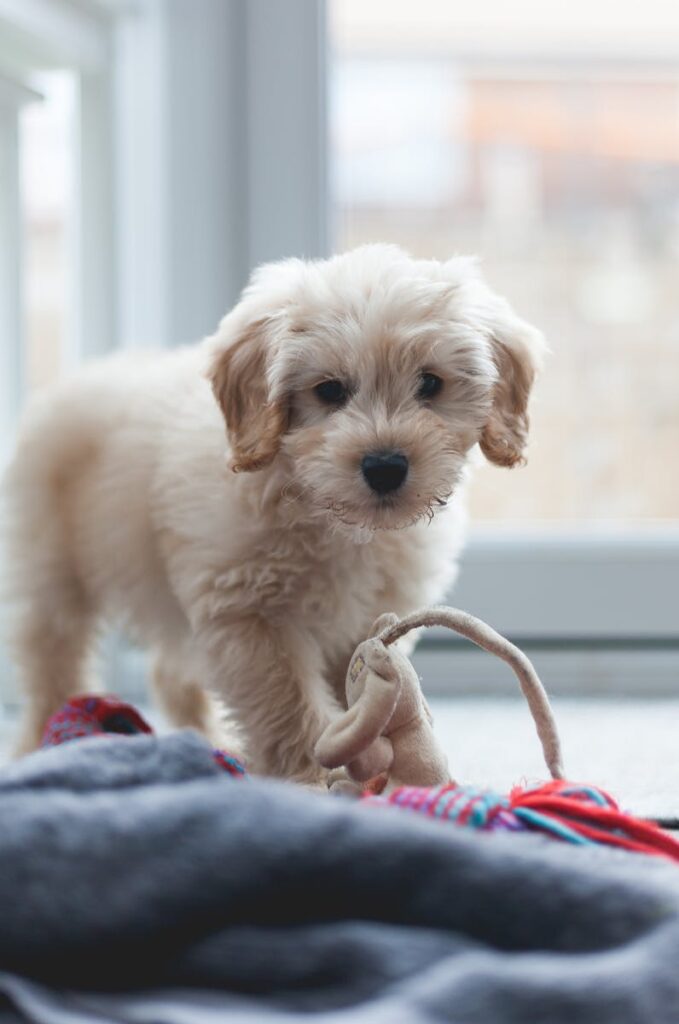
(332, 392)
(430, 385)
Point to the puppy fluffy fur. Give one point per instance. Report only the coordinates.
(251, 560)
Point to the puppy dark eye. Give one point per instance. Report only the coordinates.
(430, 385)
(332, 392)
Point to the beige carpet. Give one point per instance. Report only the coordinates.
(629, 747)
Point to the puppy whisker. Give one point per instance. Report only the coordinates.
(292, 493)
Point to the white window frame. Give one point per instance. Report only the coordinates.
(12, 97)
(38, 35)
(203, 150)
(597, 609)
(220, 154)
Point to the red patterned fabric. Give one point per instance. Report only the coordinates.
(91, 715)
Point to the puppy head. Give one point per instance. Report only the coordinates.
(371, 375)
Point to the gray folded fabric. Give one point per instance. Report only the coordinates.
(135, 864)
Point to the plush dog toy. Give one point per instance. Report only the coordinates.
(387, 728)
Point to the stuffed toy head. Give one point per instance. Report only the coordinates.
(387, 728)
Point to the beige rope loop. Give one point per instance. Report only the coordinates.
(488, 639)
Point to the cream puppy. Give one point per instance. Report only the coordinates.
(251, 560)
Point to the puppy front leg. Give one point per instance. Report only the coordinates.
(273, 678)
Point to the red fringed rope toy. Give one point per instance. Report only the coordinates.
(563, 810)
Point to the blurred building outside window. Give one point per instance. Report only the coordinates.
(563, 175)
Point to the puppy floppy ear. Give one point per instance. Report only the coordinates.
(238, 374)
(517, 350)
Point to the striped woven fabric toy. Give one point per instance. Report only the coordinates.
(563, 810)
(91, 715)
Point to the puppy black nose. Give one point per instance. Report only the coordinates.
(384, 471)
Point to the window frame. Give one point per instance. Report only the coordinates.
(39, 35)
(13, 96)
(238, 181)
(541, 586)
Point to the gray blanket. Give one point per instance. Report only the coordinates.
(138, 882)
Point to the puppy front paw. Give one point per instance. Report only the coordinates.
(339, 783)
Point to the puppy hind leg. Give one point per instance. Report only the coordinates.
(187, 704)
(52, 644)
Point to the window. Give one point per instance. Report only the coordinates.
(190, 141)
(565, 179)
(547, 143)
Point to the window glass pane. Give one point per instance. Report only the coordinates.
(46, 163)
(562, 173)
